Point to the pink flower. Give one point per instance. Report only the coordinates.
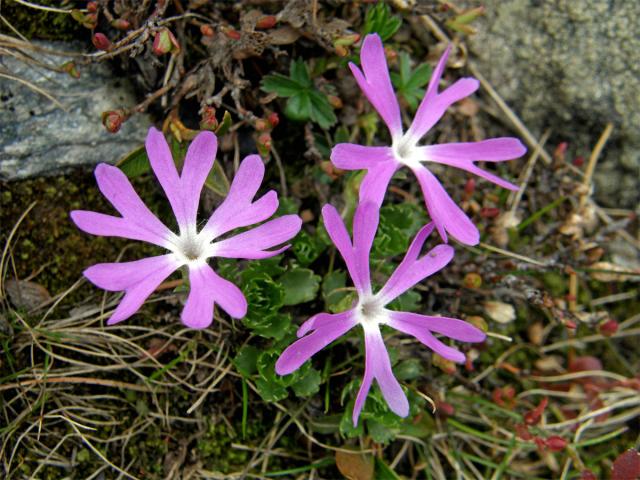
(382, 162)
(370, 311)
(189, 248)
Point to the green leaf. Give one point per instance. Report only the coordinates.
(308, 385)
(270, 391)
(299, 107)
(378, 432)
(409, 301)
(263, 295)
(281, 85)
(333, 288)
(217, 180)
(134, 163)
(225, 124)
(273, 326)
(300, 285)
(306, 248)
(246, 360)
(383, 471)
(409, 82)
(299, 73)
(321, 110)
(379, 19)
(409, 369)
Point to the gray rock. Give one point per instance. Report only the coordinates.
(572, 66)
(39, 138)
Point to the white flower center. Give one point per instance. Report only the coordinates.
(371, 313)
(190, 248)
(404, 150)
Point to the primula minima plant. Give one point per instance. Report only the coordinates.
(370, 312)
(382, 162)
(190, 247)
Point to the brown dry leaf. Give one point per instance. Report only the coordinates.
(283, 36)
(355, 466)
(26, 295)
(499, 311)
(611, 276)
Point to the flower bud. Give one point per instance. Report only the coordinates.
(208, 119)
(532, 417)
(608, 328)
(230, 32)
(101, 42)
(113, 119)
(261, 125)
(273, 119)
(556, 443)
(207, 30)
(165, 42)
(92, 7)
(472, 280)
(121, 24)
(266, 22)
(334, 101)
(70, 68)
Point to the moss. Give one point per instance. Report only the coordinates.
(39, 24)
(47, 240)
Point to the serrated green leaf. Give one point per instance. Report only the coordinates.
(379, 19)
(299, 73)
(299, 107)
(270, 391)
(281, 85)
(134, 163)
(246, 360)
(273, 326)
(300, 285)
(321, 110)
(308, 385)
(306, 248)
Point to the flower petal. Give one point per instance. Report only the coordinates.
(365, 225)
(326, 328)
(349, 156)
(144, 228)
(340, 237)
(253, 243)
(237, 209)
(391, 389)
(462, 156)
(409, 273)
(206, 288)
(139, 279)
(378, 366)
(165, 170)
(434, 106)
(116, 188)
(422, 334)
(374, 184)
(451, 327)
(375, 82)
(445, 213)
(197, 165)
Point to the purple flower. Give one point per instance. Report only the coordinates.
(382, 162)
(370, 311)
(190, 247)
